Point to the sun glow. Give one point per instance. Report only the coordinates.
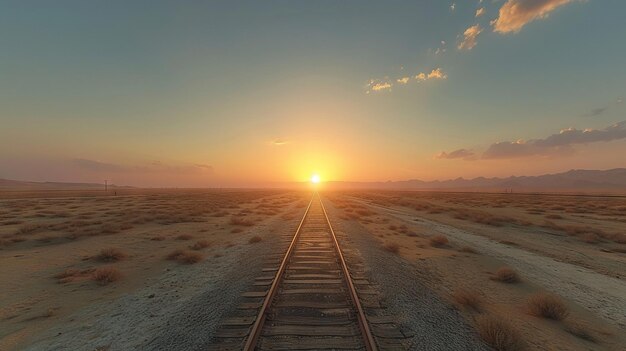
(315, 178)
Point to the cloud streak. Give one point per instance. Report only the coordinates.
(555, 143)
(515, 14)
(375, 85)
(456, 154)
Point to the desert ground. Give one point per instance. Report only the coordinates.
(160, 269)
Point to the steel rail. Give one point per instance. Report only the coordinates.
(255, 332)
(368, 338)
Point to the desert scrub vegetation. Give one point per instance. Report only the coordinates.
(241, 221)
(185, 256)
(498, 334)
(106, 275)
(547, 306)
(438, 241)
(255, 239)
(184, 237)
(111, 254)
(505, 275)
(467, 298)
(392, 247)
(200, 244)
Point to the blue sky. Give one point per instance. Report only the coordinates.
(274, 90)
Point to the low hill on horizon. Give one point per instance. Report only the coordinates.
(612, 180)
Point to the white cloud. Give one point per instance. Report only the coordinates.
(480, 12)
(381, 86)
(515, 14)
(437, 73)
(403, 80)
(469, 37)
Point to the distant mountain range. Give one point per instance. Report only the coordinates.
(6, 184)
(612, 180)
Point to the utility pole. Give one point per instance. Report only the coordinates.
(106, 185)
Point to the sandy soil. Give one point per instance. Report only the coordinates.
(155, 301)
(431, 321)
(595, 297)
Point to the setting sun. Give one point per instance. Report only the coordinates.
(315, 178)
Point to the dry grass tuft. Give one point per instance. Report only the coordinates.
(111, 254)
(106, 275)
(243, 221)
(200, 244)
(185, 237)
(392, 247)
(255, 239)
(506, 275)
(498, 334)
(158, 238)
(438, 240)
(184, 256)
(547, 306)
(467, 298)
(236, 230)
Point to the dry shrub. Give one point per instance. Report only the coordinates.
(392, 247)
(255, 239)
(580, 330)
(111, 254)
(158, 238)
(506, 275)
(106, 275)
(200, 244)
(243, 221)
(236, 230)
(547, 306)
(467, 249)
(186, 257)
(438, 240)
(185, 237)
(498, 334)
(467, 298)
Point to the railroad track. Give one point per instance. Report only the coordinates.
(310, 302)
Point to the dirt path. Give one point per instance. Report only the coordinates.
(600, 294)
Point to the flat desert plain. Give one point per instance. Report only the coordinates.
(159, 269)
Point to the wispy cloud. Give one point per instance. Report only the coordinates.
(279, 142)
(376, 85)
(515, 14)
(456, 154)
(555, 143)
(469, 37)
(480, 12)
(453, 6)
